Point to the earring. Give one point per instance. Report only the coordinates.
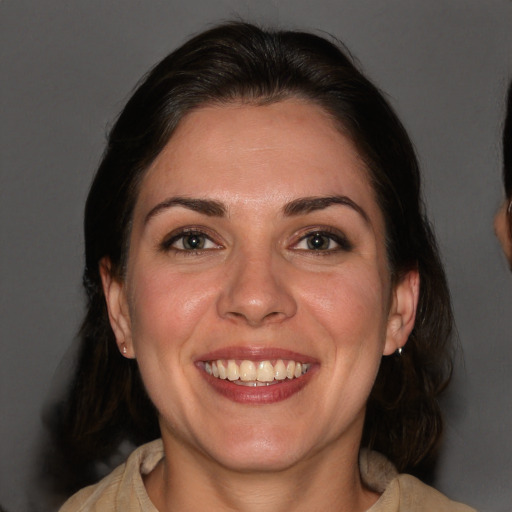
(124, 349)
(399, 351)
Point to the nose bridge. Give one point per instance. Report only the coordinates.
(254, 291)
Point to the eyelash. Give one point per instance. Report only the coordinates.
(342, 242)
(338, 238)
(167, 244)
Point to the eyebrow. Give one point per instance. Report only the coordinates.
(212, 208)
(205, 206)
(306, 205)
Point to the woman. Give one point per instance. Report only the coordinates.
(257, 252)
(502, 220)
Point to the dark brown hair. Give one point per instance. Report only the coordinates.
(507, 157)
(241, 62)
(507, 145)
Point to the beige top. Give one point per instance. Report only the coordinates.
(123, 490)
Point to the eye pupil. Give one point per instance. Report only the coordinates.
(318, 241)
(193, 241)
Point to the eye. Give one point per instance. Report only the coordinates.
(189, 241)
(323, 241)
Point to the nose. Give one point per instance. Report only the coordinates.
(256, 292)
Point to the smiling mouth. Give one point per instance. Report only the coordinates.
(256, 373)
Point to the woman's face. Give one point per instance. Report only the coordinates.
(257, 298)
(502, 230)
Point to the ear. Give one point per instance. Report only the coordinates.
(118, 311)
(403, 312)
(502, 229)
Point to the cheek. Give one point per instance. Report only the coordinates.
(348, 312)
(348, 315)
(351, 304)
(167, 306)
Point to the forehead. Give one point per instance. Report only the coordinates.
(241, 152)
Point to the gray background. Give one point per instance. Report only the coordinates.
(68, 66)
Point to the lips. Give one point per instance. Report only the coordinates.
(256, 375)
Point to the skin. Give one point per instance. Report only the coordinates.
(257, 285)
(502, 231)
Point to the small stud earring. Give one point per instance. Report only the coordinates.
(124, 350)
(399, 351)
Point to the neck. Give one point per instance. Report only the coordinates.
(188, 481)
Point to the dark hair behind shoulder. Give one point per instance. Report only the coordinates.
(240, 62)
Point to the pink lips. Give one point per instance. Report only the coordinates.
(260, 395)
(255, 353)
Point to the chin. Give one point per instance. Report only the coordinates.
(252, 451)
(251, 460)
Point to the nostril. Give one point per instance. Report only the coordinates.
(257, 317)
(256, 320)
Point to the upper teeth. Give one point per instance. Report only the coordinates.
(260, 371)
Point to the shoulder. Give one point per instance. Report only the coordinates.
(123, 489)
(414, 495)
(401, 493)
(97, 497)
